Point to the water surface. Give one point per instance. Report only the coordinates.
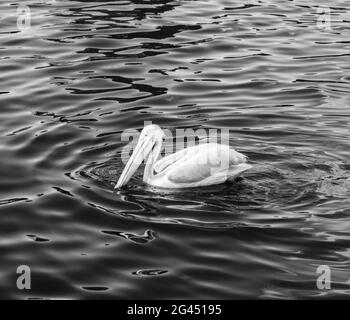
(88, 70)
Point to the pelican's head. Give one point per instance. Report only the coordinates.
(149, 137)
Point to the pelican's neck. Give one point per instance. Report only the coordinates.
(150, 161)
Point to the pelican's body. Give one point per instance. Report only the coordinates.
(201, 165)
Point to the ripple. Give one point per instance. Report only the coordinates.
(148, 236)
(152, 272)
(95, 288)
(37, 238)
(9, 201)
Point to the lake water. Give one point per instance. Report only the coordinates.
(85, 71)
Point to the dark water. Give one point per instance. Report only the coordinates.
(87, 70)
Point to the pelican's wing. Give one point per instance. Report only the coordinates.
(166, 161)
(163, 163)
(188, 172)
(206, 162)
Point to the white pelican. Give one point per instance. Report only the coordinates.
(201, 165)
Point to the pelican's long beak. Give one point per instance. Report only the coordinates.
(141, 151)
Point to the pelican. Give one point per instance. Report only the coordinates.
(196, 166)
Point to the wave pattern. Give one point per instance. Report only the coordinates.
(87, 70)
